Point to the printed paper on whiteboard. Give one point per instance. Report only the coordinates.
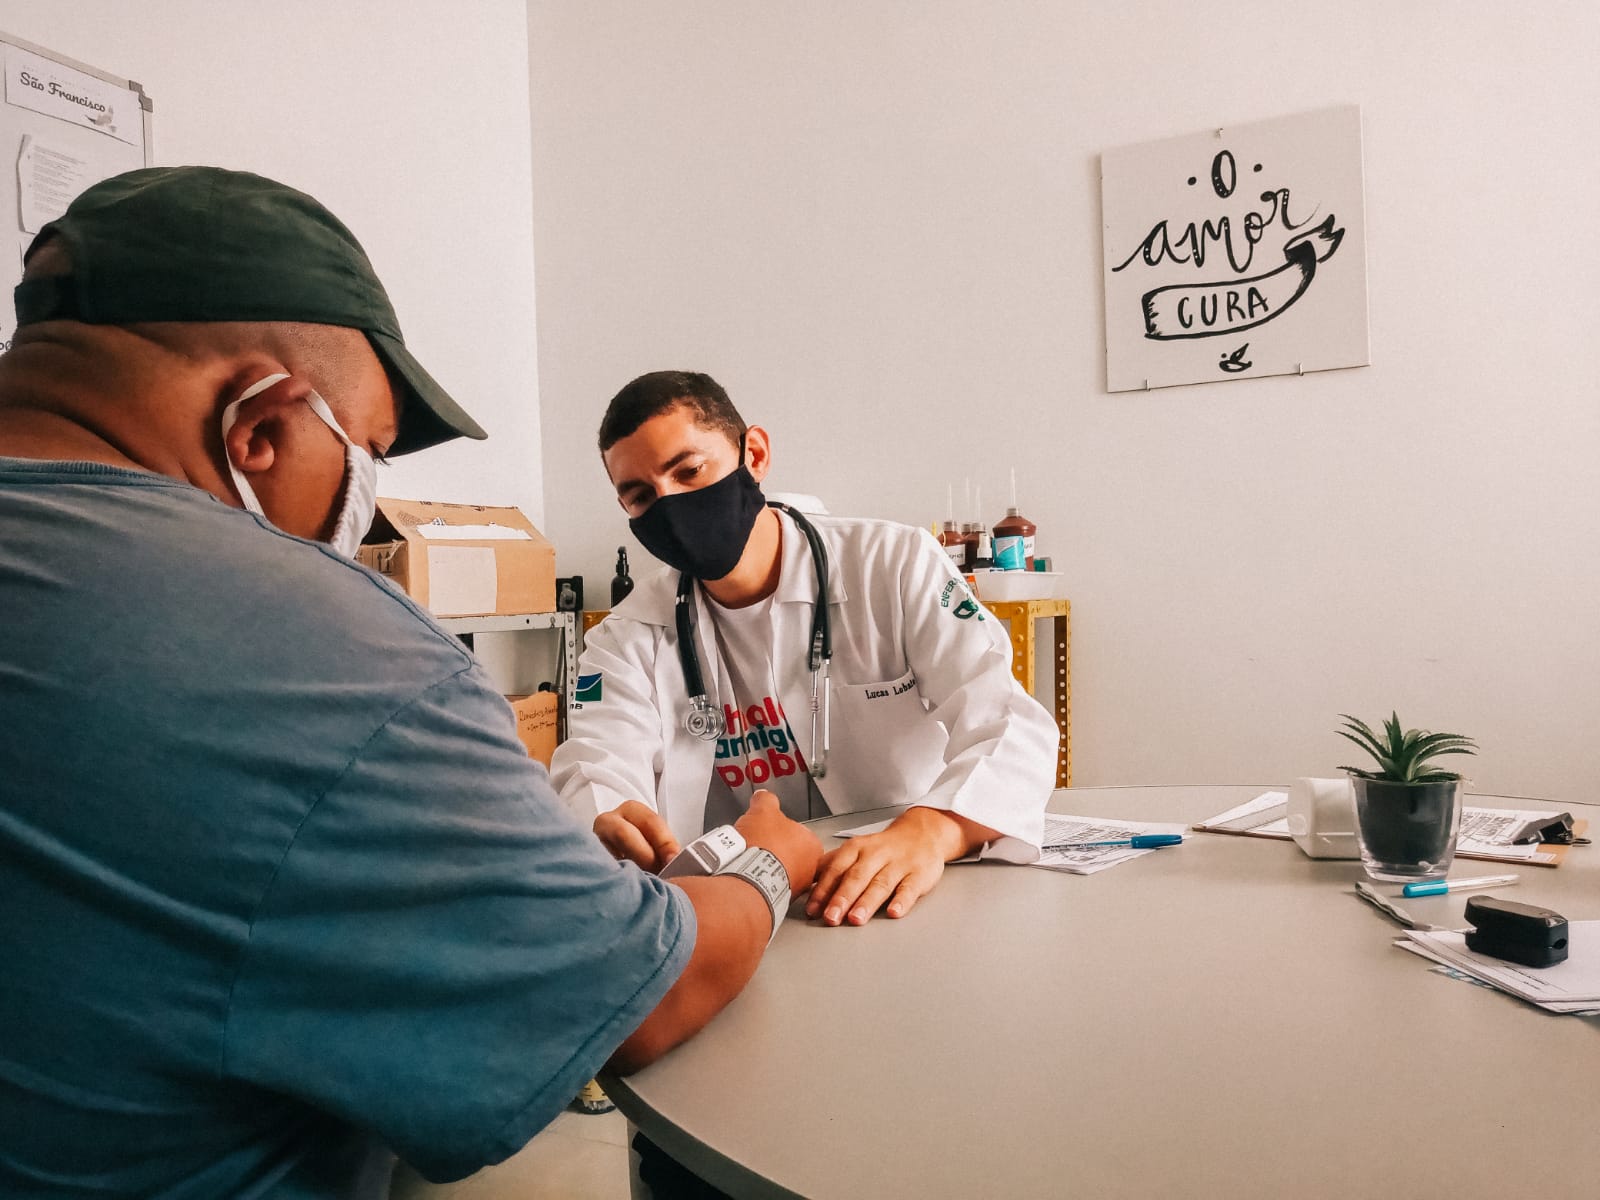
(59, 91)
(49, 177)
(1235, 253)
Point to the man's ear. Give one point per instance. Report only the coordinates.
(251, 443)
(757, 452)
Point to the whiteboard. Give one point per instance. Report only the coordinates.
(1236, 252)
(63, 127)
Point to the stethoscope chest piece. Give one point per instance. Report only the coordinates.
(705, 720)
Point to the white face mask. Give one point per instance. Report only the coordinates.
(360, 475)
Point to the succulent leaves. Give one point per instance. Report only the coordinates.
(1403, 756)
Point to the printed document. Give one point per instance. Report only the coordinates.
(1572, 986)
(1059, 829)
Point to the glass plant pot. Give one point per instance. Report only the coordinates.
(1407, 831)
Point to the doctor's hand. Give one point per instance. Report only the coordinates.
(900, 864)
(637, 833)
(798, 849)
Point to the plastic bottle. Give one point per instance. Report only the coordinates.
(621, 582)
(982, 559)
(950, 535)
(1014, 536)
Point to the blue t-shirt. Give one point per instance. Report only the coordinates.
(279, 886)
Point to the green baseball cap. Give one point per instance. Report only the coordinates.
(206, 244)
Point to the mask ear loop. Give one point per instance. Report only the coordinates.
(320, 407)
(705, 720)
(247, 494)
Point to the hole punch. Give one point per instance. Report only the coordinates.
(1519, 933)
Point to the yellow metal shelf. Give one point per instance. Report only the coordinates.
(1022, 616)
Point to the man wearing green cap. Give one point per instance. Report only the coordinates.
(282, 891)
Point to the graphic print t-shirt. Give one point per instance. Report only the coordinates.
(758, 749)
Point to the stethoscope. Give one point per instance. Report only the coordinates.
(705, 719)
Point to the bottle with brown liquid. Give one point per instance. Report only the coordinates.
(1014, 537)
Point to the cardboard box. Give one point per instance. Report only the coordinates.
(462, 560)
(536, 723)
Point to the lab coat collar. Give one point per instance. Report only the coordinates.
(797, 583)
(655, 596)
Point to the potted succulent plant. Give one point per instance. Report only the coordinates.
(1408, 809)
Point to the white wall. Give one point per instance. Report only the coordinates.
(878, 224)
(409, 119)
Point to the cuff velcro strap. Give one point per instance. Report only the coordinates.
(762, 870)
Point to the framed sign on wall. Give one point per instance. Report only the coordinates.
(1235, 253)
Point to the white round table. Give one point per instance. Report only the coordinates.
(1223, 1018)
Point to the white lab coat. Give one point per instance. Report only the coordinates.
(964, 736)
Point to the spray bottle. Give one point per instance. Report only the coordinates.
(1014, 536)
(983, 560)
(621, 582)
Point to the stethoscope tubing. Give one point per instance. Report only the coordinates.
(704, 719)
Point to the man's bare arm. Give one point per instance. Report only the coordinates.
(734, 925)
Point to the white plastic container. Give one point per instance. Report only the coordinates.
(1322, 817)
(1017, 585)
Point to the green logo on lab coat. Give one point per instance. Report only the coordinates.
(967, 608)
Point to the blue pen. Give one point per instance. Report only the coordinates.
(1140, 841)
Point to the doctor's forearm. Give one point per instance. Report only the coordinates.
(957, 835)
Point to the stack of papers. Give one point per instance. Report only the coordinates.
(1485, 832)
(1571, 987)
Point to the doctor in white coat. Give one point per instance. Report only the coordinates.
(921, 708)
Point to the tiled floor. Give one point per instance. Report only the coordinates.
(578, 1156)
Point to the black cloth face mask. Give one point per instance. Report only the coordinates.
(703, 532)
